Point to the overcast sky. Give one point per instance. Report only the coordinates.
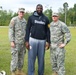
(30, 5)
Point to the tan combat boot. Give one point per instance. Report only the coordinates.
(13, 73)
(55, 73)
(20, 72)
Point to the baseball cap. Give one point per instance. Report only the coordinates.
(21, 9)
(55, 14)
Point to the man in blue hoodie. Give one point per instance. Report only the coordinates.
(37, 34)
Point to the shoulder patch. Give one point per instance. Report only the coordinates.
(48, 25)
(12, 22)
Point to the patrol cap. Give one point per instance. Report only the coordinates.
(21, 10)
(55, 14)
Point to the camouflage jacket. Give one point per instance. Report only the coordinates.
(59, 33)
(17, 30)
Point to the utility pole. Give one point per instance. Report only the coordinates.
(0, 14)
(65, 5)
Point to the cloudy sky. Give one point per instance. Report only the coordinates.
(30, 5)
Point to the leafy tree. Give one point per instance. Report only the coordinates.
(5, 16)
(48, 13)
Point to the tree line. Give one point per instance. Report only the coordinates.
(5, 16)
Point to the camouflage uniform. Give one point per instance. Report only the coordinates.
(58, 31)
(17, 34)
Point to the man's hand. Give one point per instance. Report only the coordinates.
(47, 46)
(27, 45)
(62, 45)
(12, 44)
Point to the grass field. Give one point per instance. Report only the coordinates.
(5, 55)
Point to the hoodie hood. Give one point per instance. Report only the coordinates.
(36, 14)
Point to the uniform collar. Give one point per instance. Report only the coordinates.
(56, 23)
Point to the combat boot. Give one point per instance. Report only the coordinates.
(20, 72)
(13, 73)
(55, 73)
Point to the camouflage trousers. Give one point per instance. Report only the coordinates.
(17, 54)
(57, 60)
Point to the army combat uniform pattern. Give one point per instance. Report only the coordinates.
(59, 34)
(17, 34)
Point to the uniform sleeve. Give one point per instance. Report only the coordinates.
(12, 31)
(67, 34)
(48, 32)
(28, 27)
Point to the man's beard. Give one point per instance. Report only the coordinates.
(39, 13)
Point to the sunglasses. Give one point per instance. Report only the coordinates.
(21, 12)
(54, 16)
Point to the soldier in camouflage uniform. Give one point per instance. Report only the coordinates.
(17, 39)
(60, 36)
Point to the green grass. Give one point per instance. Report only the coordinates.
(5, 55)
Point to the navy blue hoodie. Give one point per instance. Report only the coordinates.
(37, 27)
